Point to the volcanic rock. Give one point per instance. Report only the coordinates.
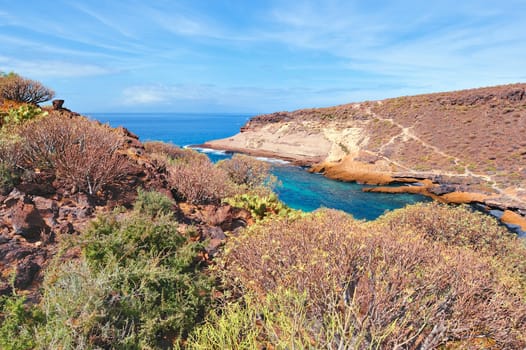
(27, 221)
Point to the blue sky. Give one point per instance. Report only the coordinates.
(258, 56)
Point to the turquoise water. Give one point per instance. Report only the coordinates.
(299, 189)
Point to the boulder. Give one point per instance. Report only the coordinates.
(26, 272)
(213, 232)
(13, 251)
(225, 216)
(66, 228)
(24, 260)
(514, 95)
(57, 104)
(27, 221)
(213, 247)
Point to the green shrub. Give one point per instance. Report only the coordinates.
(153, 203)
(138, 284)
(22, 114)
(8, 178)
(262, 207)
(77, 303)
(17, 322)
(232, 327)
(160, 289)
(278, 319)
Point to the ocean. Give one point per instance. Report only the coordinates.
(299, 189)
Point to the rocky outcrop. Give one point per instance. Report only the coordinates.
(213, 223)
(57, 104)
(29, 227)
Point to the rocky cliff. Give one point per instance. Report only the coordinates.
(462, 146)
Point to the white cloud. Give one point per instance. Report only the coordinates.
(240, 98)
(144, 95)
(54, 69)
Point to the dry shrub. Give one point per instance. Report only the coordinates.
(167, 149)
(196, 180)
(10, 149)
(393, 288)
(463, 227)
(303, 254)
(459, 226)
(166, 154)
(246, 171)
(81, 153)
(10, 157)
(17, 88)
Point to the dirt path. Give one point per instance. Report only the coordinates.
(407, 133)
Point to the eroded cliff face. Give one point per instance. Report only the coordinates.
(468, 146)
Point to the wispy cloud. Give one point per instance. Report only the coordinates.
(274, 54)
(56, 68)
(247, 98)
(106, 20)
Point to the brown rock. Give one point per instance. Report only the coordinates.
(66, 228)
(214, 233)
(13, 251)
(463, 197)
(13, 198)
(443, 189)
(213, 247)
(27, 221)
(512, 218)
(57, 104)
(515, 95)
(24, 260)
(25, 273)
(225, 216)
(45, 206)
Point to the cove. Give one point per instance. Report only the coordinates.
(299, 189)
(303, 190)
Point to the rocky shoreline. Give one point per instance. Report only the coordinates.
(407, 141)
(512, 216)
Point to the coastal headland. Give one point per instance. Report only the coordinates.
(457, 147)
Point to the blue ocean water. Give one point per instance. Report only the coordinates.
(299, 189)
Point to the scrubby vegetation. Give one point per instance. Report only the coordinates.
(248, 172)
(196, 179)
(21, 114)
(423, 277)
(137, 285)
(80, 154)
(140, 276)
(262, 206)
(16, 88)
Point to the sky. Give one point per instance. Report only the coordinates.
(258, 56)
